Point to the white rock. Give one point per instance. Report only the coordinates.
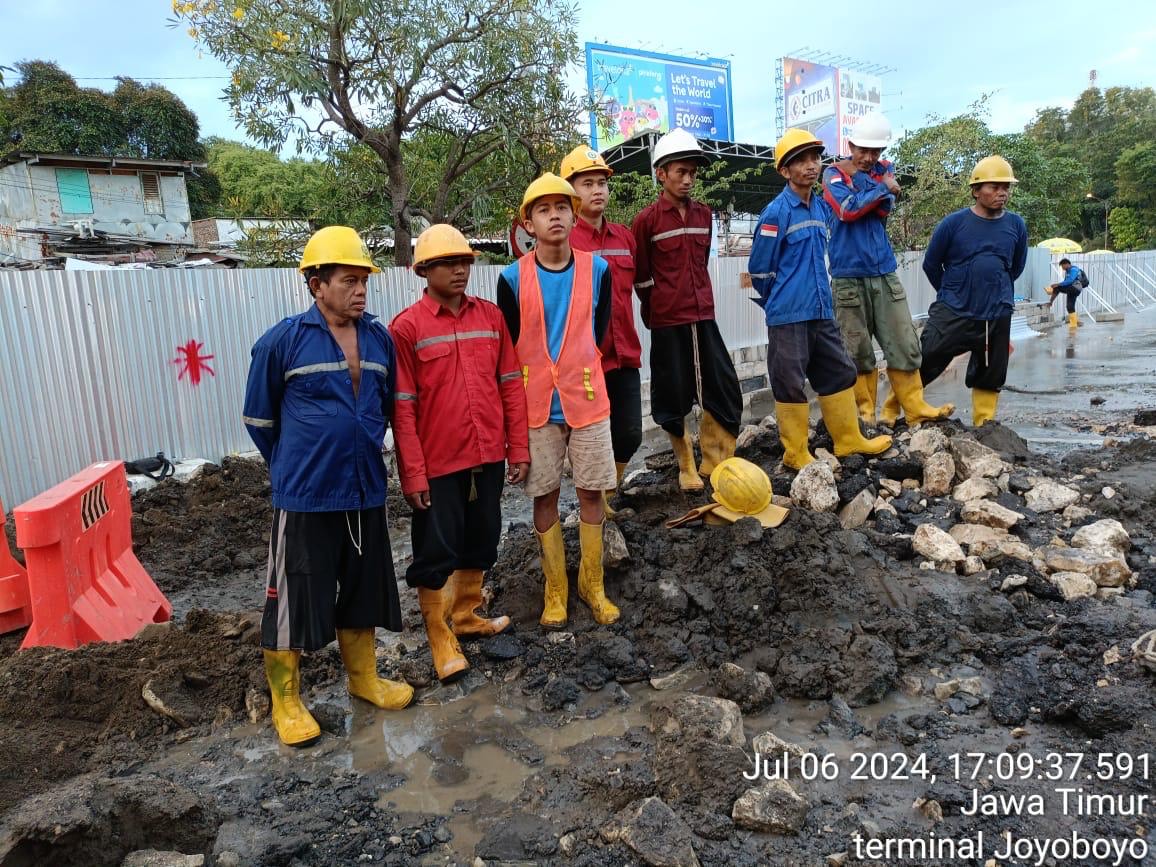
(1104, 569)
(1011, 582)
(1107, 537)
(971, 534)
(974, 489)
(1009, 546)
(856, 512)
(747, 435)
(614, 550)
(910, 485)
(946, 689)
(1073, 585)
(769, 743)
(881, 505)
(774, 808)
(827, 458)
(989, 514)
(974, 459)
(972, 565)
(938, 474)
(1072, 514)
(769, 422)
(814, 488)
(1049, 496)
(891, 486)
(935, 544)
(927, 441)
(1107, 492)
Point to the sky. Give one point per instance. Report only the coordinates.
(1027, 54)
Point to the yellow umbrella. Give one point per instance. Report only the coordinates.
(1061, 245)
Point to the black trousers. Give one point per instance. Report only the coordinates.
(674, 385)
(1072, 294)
(624, 388)
(461, 527)
(811, 350)
(318, 580)
(948, 334)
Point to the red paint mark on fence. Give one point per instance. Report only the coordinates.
(191, 361)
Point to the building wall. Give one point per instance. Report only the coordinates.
(17, 209)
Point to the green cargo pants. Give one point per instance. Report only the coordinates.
(867, 307)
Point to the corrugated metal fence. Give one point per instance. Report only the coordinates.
(101, 364)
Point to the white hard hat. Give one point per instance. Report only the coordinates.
(678, 144)
(872, 131)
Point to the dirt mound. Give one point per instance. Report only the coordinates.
(64, 712)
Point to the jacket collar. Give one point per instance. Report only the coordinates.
(436, 309)
(313, 316)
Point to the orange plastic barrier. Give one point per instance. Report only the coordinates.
(15, 612)
(84, 580)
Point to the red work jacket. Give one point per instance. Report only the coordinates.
(670, 266)
(459, 400)
(615, 243)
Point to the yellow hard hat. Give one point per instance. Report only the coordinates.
(336, 245)
(742, 490)
(548, 185)
(993, 169)
(792, 143)
(583, 159)
(440, 241)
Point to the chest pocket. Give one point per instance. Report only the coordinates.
(430, 354)
(312, 396)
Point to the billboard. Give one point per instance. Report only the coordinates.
(828, 101)
(639, 91)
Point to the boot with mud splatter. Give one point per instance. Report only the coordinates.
(357, 652)
(292, 720)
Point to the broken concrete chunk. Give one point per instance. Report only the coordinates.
(1107, 537)
(938, 474)
(814, 488)
(1049, 496)
(1073, 585)
(1104, 569)
(856, 512)
(974, 489)
(775, 808)
(927, 441)
(935, 544)
(989, 514)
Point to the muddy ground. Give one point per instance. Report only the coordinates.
(613, 745)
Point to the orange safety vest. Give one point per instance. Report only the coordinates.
(577, 374)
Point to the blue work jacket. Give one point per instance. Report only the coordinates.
(787, 265)
(322, 443)
(860, 204)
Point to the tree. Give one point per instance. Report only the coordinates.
(1129, 231)
(483, 78)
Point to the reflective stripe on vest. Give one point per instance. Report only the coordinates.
(577, 374)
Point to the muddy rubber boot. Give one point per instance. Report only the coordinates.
(557, 584)
(983, 404)
(842, 419)
(449, 661)
(794, 419)
(688, 479)
(908, 387)
(866, 393)
(357, 652)
(607, 512)
(467, 596)
(716, 444)
(590, 576)
(292, 720)
(1073, 320)
(891, 411)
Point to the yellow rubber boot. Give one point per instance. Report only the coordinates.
(716, 443)
(590, 575)
(357, 652)
(794, 420)
(688, 479)
(449, 661)
(620, 470)
(839, 412)
(557, 584)
(983, 404)
(292, 720)
(467, 596)
(866, 393)
(908, 387)
(1073, 320)
(891, 411)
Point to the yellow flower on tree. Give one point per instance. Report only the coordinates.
(238, 13)
(280, 39)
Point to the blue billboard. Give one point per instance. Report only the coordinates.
(640, 91)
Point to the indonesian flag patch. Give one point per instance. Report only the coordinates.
(769, 230)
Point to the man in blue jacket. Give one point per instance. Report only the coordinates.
(870, 300)
(790, 275)
(1071, 286)
(973, 259)
(317, 404)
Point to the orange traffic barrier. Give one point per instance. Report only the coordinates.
(84, 581)
(15, 612)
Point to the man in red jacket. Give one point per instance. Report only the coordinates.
(459, 421)
(689, 363)
(588, 173)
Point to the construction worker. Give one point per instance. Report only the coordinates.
(689, 360)
(317, 402)
(588, 173)
(557, 304)
(870, 301)
(459, 421)
(790, 275)
(974, 256)
(1070, 287)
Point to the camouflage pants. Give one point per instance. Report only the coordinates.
(867, 307)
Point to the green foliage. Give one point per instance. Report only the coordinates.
(1136, 176)
(1129, 230)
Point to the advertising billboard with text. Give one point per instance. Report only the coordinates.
(828, 101)
(639, 91)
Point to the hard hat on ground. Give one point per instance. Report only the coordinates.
(583, 159)
(678, 144)
(440, 241)
(548, 184)
(993, 169)
(793, 143)
(336, 245)
(742, 490)
(872, 131)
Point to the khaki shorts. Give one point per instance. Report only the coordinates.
(591, 458)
